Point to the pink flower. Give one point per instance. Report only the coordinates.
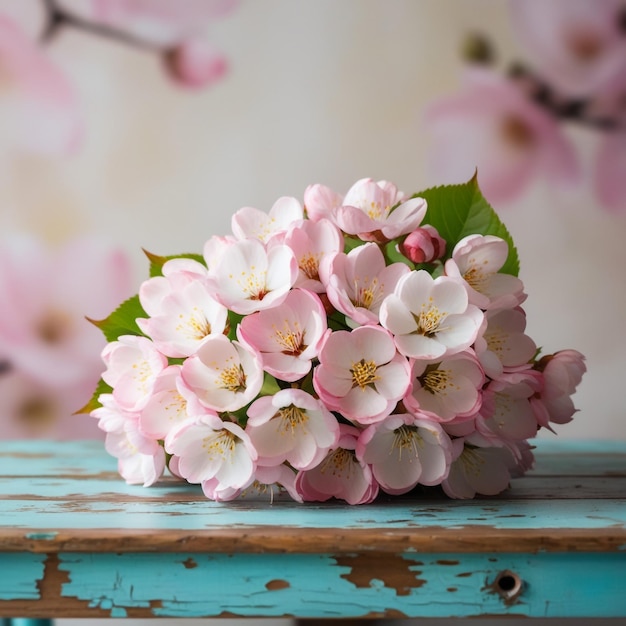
(492, 126)
(430, 318)
(360, 374)
(141, 460)
(32, 409)
(224, 375)
(608, 173)
(288, 336)
(170, 404)
(132, 367)
(182, 313)
(39, 110)
(112, 418)
(507, 412)
(562, 373)
(405, 450)
(45, 296)
(195, 63)
(358, 282)
(340, 475)
(377, 211)
(477, 260)
(577, 45)
(320, 202)
(423, 245)
(271, 483)
(250, 277)
(291, 426)
(448, 389)
(249, 222)
(478, 468)
(209, 449)
(312, 243)
(502, 345)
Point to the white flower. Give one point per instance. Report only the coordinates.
(430, 318)
(250, 277)
(224, 375)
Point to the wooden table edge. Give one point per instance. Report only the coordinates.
(468, 539)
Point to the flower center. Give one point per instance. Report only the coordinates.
(475, 278)
(429, 320)
(37, 413)
(436, 381)
(496, 341)
(517, 133)
(292, 341)
(196, 325)
(310, 264)
(584, 45)
(54, 327)
(340, 461)
(364, 373)
(233, 379)
(471, 460)
(376, 211)
(407, 438)
(367, 294)
(291, 418)
(221, 444)
(253, 283)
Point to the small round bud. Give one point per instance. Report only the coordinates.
(195, 64)
(423, 245)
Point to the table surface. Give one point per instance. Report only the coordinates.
(68, 521)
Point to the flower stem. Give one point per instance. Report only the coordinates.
(58, 18)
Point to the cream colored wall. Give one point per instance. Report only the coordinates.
(320, 91)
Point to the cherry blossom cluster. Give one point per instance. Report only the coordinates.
(298, 355)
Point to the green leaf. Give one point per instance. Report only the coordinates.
(157, 262)
(122, 320)
(94, 402)
(460, 210)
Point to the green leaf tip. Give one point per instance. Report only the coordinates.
(122, 321)
(460, 210)
(157, 261)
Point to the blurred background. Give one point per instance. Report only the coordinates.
(127, 124)
(147, 124)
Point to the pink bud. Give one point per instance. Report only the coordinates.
(423, 245)
(195, 63)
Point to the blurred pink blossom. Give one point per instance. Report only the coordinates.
(492, 126)
(578, 46)
(46, 343)
(610, 165)
(39, 110)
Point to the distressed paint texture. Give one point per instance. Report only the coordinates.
(75, 541)
(556, 585)
(19, 574)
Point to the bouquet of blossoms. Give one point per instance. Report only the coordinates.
(337, 348)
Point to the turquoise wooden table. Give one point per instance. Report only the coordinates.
(76, 541)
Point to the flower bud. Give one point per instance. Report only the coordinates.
(195, 64)
(423, 245)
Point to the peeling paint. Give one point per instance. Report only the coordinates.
(394, 571)
(42, 536)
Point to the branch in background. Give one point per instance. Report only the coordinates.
(57, 18)
(478, 49)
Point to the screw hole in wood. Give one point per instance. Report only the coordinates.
(508, 585)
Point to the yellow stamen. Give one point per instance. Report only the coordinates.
(291, 417)
(364, 373)
(233, 379)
